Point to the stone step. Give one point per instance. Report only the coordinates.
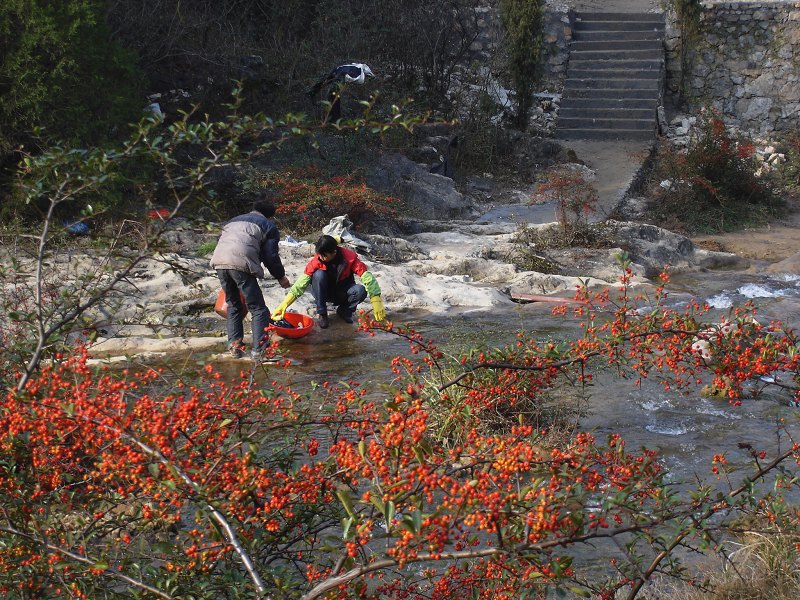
(580, 73)
(594, 112)
(581, 26)
(650, 54)
(602, 65)
(609, 93)
(619, 16)
(605, 134)
(601, 82)
(596, 36)
(610, 103)
(613, 80)
(606, 123)
(581, 45)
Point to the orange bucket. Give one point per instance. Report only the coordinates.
(302, 326)
(221, 305)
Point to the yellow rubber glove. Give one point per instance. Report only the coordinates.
(277, 315)
(377, 308)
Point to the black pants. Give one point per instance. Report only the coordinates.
(346, 294)
(233, 282)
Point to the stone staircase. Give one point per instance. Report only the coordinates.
(614, 77)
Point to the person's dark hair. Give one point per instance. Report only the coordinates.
(326, 244)
(265, 207)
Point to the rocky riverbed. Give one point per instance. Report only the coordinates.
(446, 265)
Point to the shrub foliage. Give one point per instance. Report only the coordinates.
(523, 23)
(307, 199)
(60, 70)
(435, 483)
(115, 484)
(713, 185)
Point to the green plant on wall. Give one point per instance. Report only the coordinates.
(688, 14)
(523, 22)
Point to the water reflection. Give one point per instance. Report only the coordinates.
(340, 353)
(685, 428)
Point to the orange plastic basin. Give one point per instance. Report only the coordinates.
(303, 325)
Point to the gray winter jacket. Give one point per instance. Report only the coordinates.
(246, 242)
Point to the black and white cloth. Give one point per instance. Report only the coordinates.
(349, 73)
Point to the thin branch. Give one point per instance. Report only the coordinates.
(644, 577)
(93, 564)
(334, 582)
(215, 513)
(517, 367)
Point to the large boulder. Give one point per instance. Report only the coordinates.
(789, 265)
(428, 196)
(655, 248)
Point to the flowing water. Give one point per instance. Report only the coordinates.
(686, 428)
(689, 429)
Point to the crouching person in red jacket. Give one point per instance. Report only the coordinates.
(331, 274)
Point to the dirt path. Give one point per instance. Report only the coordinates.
(615, 163)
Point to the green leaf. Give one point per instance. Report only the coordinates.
(389, 513)
(408, 522)
(534, 575)
(347, 501)
(346, 525)
(378, 503)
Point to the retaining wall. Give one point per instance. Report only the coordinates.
(742, 61)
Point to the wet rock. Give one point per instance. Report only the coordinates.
(428, 195)
(655, 248)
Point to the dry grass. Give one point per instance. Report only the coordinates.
(761, 565)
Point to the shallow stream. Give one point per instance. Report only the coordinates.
(685, 428)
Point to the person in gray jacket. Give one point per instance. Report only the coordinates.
(246, 242)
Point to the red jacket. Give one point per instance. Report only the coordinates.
(350, 264)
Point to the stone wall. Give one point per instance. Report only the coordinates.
(743, 61)
(486, 71)
(555, 50)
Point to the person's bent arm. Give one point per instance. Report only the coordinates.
(370, 283)
(270, 256)
(297, 290)
(374, 293)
